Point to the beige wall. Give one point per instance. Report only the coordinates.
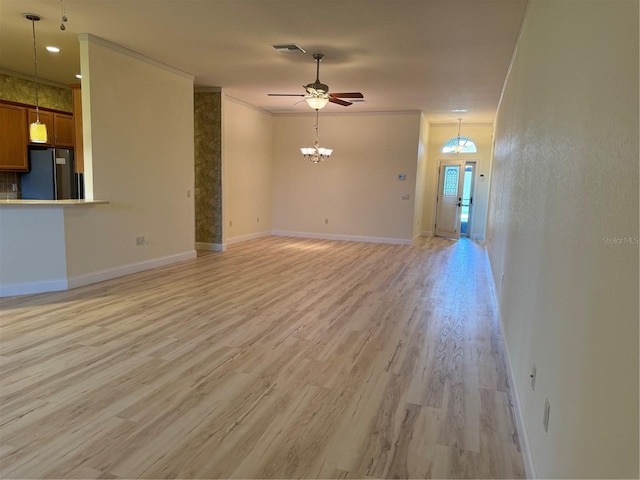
(357, 190)
(563, 228)
(138, 119)
(439, 134)
(421, 177)
(247, 159)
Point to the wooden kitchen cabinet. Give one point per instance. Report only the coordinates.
(60, 128)
(63, 130)
(13, 138)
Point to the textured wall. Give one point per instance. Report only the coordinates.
(563, 230)
(16, 89)
(208, 166)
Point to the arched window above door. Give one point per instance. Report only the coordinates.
(459, 145)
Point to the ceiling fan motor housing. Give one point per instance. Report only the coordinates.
(317, 88)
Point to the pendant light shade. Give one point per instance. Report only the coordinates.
(37, 130)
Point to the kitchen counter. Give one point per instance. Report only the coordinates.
(49, 203)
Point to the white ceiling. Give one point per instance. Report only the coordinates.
(429, 55)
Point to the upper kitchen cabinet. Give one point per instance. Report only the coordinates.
(13, 138)
(60, 127)
(63, 128)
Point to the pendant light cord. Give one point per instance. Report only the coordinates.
(35, 61)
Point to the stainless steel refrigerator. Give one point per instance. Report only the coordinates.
(51, 176)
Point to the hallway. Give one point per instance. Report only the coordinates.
(279, 358)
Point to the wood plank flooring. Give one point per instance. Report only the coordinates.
(279, 358)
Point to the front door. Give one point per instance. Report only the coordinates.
(449, 199)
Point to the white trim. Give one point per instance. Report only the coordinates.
(214, 247)
(347, 238)
(249, 236)
(29, 288)
(121, 271)
(138, 56)
(523, 437)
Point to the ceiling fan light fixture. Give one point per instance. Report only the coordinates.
(316, 101)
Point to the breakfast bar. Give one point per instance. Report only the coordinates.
(38, 242)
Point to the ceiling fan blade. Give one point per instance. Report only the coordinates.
(347, 95)
(285, 95)
(344, 103)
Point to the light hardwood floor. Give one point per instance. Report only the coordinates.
(279, 358)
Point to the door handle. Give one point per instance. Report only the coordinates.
(459, 202)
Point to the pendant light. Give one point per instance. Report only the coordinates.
(458, 147)
(37, 130)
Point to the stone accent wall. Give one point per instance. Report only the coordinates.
(208, 166)
(19, 90)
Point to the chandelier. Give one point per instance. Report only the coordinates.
(458, 146)
(316, 154)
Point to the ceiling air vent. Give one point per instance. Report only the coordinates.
(289, 48)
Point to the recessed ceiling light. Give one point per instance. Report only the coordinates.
(53, 49)
(78, 75)
(459, 110)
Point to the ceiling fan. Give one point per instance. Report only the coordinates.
(318, 94)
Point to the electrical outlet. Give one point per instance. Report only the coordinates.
(140, 241)
(257, 219)
(502, 280)
(545, 418)
(534, 371)
(326, 221)
(231, 223)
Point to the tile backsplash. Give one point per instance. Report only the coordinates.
(9, 181)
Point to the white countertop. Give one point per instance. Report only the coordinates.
(50, 203)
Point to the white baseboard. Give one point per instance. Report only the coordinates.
(523, 437)
(347, 238)
(122, 270)
(215, 247)
(29, 288)
(249, 236)
(426, 233)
